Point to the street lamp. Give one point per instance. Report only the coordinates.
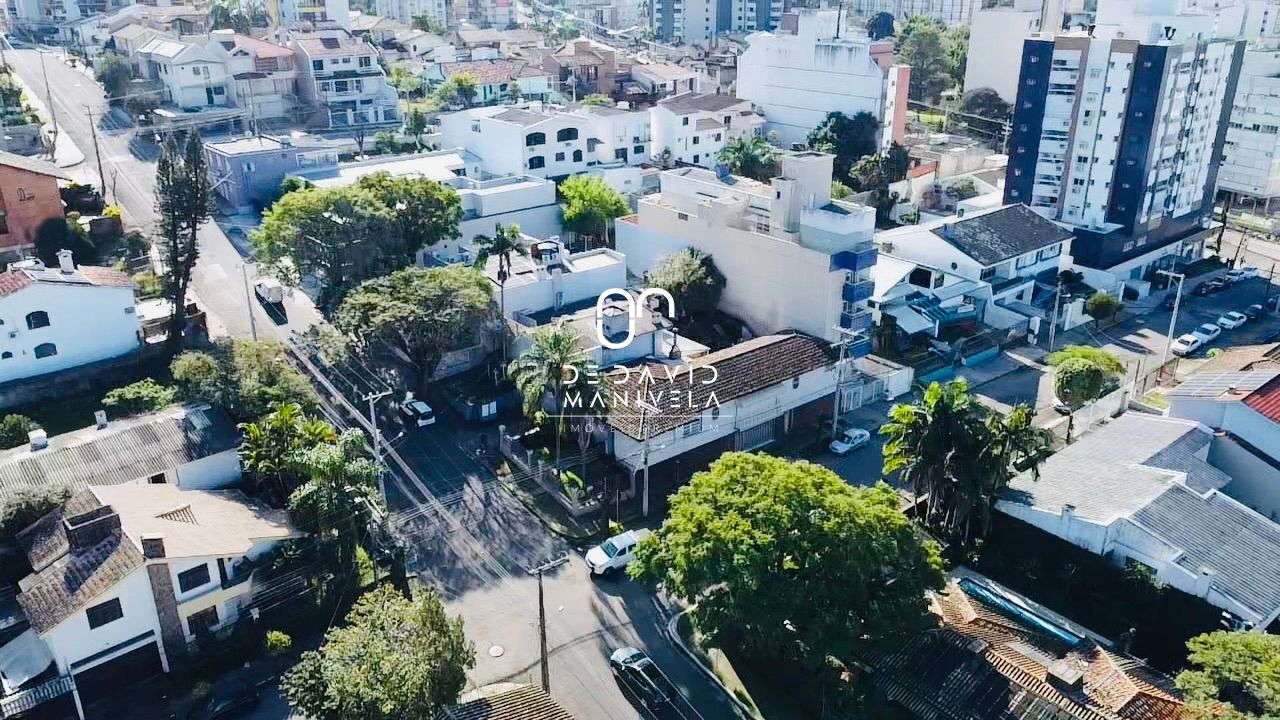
(1173, 319)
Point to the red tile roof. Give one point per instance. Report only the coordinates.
(1266, 400)
(13, 281)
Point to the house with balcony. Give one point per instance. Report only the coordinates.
(793, 257)
(997, 268)
(660, 80)
(532, 139)
(314, 14)
(340, 77)
(691, 129)
(246, 172)
(263, 74)
(194, 75)
(126, 580)
(582, 67)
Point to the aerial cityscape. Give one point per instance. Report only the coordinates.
(614, 359)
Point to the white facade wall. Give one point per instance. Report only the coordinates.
(214, 472)
(998, 34)
(329, 12)
(731, 416)
(406, 10)
(73, 640)
(680, 133)
(507, 148)
(796, 80)
(557, 288)
(1251, 156)
(86, 324)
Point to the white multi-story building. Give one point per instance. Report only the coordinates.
(664, 79)
(949, 12)
(406, 10)
(806, 69)
(193, 74)
(60, 318)
(792, 256)
(533, 140)
(1120, 133)
(696, 21)
(1251, 152)
(315, 13)
(692, 128)
(341, 76)
(999, 32)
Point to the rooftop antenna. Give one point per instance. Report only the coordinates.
(839, 17)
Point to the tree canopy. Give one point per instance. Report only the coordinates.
(986, 103)
(848, 138)
(749, 156)
(1102, 306)
(414, 316)
(270, 445)
(183, 203)
(394, 658)
(589, 205)
(461, 89)
(960, 453)
(246, 378)
(114, 72)
(789, 560)
(923, 44)
(692, 278)
(343, 236)
(1233, 676)
(880, 26)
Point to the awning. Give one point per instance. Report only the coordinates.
(21, 659)
(911, 321)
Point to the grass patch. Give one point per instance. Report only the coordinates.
(1156, 399)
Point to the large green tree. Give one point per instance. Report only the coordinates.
(789, 561)
(956, 41)
(414, 316)
(925, 50)
(959, 454)
(504, 244)
(461, 89)
(848, 138)
(394, 659)
(748, 156)
(589, 204)
(115, 73)
(1233, 676)
(986, 103)
(246, 378)
(336, 500)
(1102, 305)
(1082, 374)
(427, 211)
(270, 444)
(184, 202)
(692, 278)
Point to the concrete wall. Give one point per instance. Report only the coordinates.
(571, 287)
(214, 472)
(1254, 481)
(990, 62)
(86, 324)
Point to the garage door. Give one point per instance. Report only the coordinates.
(759, 435)
(134, 666)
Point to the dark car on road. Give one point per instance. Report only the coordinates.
(233, 702)
(638, 673)
(1209, 287)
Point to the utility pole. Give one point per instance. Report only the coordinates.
(1053, 321)
(53, 114)
(542, 617)
(248, 299)
(645, 409)
(1266, 291)
(102, 177)
(1173, 319)
(372, 398)
(846, 338)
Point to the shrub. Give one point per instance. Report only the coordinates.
(27, 505)
(278, 643)
(572, 485)
(112, 211)
(14, 430)
(143, 396)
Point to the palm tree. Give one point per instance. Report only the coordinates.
(959, 454)
(269, 444)
(553, 364)
(750, 156)
(504, 244)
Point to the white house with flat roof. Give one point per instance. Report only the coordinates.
(792, 256)
(692, 128)
(549, 278)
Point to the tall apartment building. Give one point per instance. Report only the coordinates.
(804, 70)
(341, 77)
(406, 10)
(1251, 153)
(1002, 29)
(316, 13)
(1119, 134)
(950, 12)
(695, 21)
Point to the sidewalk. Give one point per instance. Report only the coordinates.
(66, 154)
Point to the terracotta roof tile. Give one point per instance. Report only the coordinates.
(1266, 400)
(523, 703)
(13, 281)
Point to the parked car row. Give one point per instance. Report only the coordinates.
(1206, 333)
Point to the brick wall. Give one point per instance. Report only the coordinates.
(27, 199)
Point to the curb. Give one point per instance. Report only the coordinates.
(550, 524)
(674, 636)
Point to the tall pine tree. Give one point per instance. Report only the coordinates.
(184, 202)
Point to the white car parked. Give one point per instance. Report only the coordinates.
(1232, 320)
(850, 440)
(1207, 332)
(615, 553)
(1186, 344)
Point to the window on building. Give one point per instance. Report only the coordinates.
(566, 134)
(695, 139)
(4, 223)
(638, 150)
(366, 61)
(695, 159)
(6, 355)
(536, 138)
(987, 273)
(317, 65)
(577, 156)
(1049, 252)
(202, 622)
(103, 613)
(25, 194)
(684, 121)
(37, 319)
(44, 350)
(536, 162)
(219, 90)
(692, 428)
(189, 580)
(620, 154)
(559, 157)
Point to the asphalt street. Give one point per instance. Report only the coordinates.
(472, 539)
